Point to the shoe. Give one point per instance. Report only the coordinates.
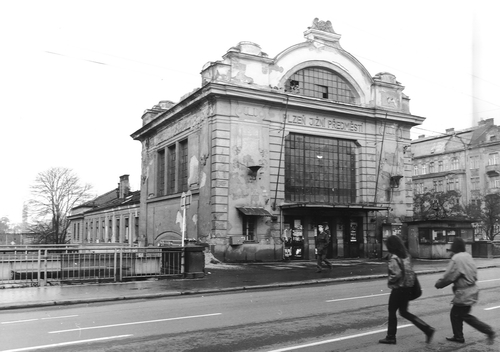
(429, 335)
(319, 270)
(456, 339)
(491, 338)
(388, 340)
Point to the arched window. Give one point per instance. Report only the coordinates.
(321, 83)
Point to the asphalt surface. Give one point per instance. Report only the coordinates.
(218, 278)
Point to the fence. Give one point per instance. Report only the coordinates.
(34, 266)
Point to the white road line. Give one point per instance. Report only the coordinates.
(66, 343)
(135, 323)
(335, 340)
(351, 298)
(18, 321)
(479, 281)
(491, 308)
(61, 317)
(36, 319)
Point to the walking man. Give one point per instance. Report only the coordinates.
(322, 242)
(462, 273)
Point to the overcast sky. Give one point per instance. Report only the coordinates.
(76, 76)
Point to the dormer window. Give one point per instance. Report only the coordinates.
(317, 82)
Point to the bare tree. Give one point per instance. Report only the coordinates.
(55, 192)
(437, 205)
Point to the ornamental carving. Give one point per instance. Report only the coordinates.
(322, 26)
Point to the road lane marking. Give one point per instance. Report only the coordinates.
(18, 321)
(36, 319)
(491, 308)
(335, 340)
(351, 298)
(61, 317)
(66, 343)
(480, 281)
(135, 323)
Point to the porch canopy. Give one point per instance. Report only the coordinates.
(254, 211)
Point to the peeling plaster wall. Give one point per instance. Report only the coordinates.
(235, 121)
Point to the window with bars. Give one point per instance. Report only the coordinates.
(317, 82)
(319, 169)
(249, 227)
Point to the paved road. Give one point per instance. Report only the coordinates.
(343, 315)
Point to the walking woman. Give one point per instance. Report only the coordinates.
(400, 290)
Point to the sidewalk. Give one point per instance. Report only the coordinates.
(218, 278)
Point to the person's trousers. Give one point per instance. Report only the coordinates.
(459, 314)
(321, 259)
(398, 300)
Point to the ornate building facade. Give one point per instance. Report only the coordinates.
(268, 148)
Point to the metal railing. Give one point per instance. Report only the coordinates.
(36, 266)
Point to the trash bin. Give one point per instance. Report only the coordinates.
(194, 261)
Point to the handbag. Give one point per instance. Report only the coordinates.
(415, 290)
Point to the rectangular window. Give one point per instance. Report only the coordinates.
(496, 183)
(183, 165)
(455, 164)
(161, 172)
(431, 167)
(493, 159)
(474, 162)
(424, 169)
(320, 169)
(415, 170)
(171, 179)
(440, 186)
(249, 227)
(474, 181)
(440, 166)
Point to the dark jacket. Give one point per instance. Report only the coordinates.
(322, 241)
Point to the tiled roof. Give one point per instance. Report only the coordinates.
(131, 199)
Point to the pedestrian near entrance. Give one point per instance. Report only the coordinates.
(322, 242)
(400, 283)
(462, 273)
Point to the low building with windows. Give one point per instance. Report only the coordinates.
(112, 217)
(268, 148)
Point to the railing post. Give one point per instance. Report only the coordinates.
(114, 264)
(121, 264)
(39, 268)
(45, 268)
(183, 260)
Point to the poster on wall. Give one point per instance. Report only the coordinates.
(354, 227)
